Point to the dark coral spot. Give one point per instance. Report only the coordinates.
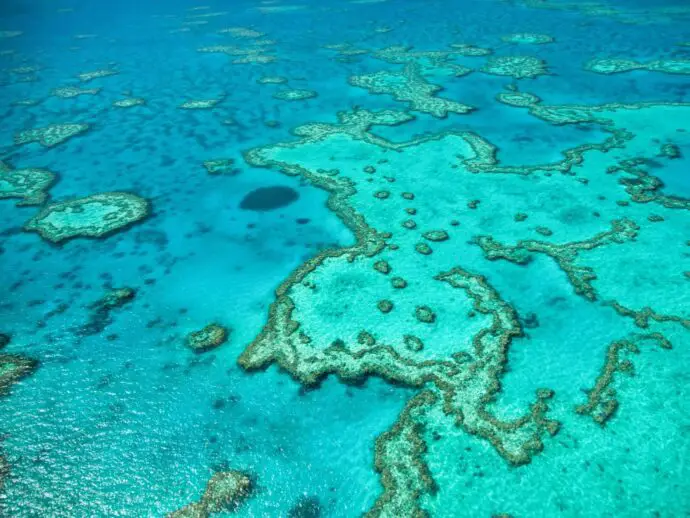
(269, 198)
(306, 507)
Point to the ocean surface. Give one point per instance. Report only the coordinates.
(345, 257)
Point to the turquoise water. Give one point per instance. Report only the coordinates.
(293, 243)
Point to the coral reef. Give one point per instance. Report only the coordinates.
(241, 32)
(68, 92)
(670, 151)
(513, 97)
(14, 367)
(95, 216)
(425, 314)
(382, 267)
(225, 491)
(436, 235)
(220, 166)
(399, 458)
(30, 185)
(601, 402)
(465, 49)
(96, 74)
(642, 317)
(385, 306)
(463, 390)
(409, 86)
(4, 471)
(528, 37)
(294, 95)
(618, 66)
(464, 383)
(50, 136)
(565, 255)
(518, 67)
(272, 80)
(431, 60)
(200, 104)
(623, 13)
(241, 55)
(643, 187)
(129, 102)
(101, 310)
(26, 102)
(210, 337)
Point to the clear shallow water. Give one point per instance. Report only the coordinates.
(125, 420)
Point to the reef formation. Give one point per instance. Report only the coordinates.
(210, 337)
(30, 185)
(618, 66)
(392, 330)
(13, 368)
(225, 491)
(95, 216)
(420, 299)
(50, 136)
(409, 86)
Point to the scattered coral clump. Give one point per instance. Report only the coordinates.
(210, 337)
(220, 166)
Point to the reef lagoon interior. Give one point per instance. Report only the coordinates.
(334, 258)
